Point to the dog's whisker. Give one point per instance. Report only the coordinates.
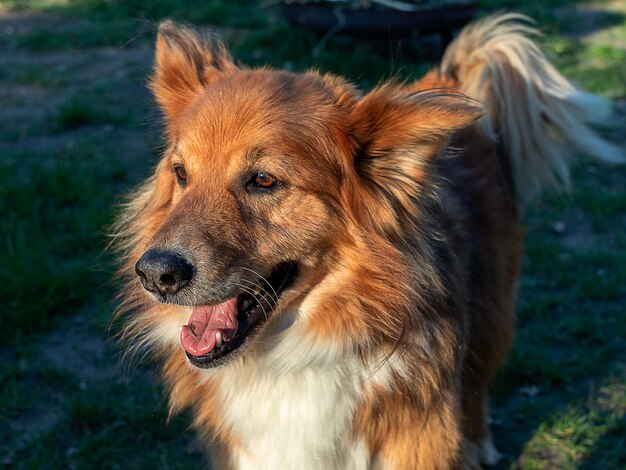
(247, 290)
(263, 279)
(264, 292)
(275, 300)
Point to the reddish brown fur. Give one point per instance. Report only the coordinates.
(396, 193)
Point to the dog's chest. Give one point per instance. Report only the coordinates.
(283, 420)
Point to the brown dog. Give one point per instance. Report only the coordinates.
(344, 264)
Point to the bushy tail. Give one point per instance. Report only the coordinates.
(538, 116)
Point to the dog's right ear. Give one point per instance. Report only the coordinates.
(186, 62)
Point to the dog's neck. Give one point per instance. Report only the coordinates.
(284, 419)
(281, 419)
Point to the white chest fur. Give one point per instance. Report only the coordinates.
(296, 419)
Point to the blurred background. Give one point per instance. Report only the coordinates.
(78, 129)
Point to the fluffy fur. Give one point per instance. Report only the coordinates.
(402, 210)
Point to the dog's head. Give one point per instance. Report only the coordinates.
(266, 175)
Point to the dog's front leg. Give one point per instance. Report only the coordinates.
(403, 436)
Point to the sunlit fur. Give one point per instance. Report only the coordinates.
(536, 112)
(401, 207)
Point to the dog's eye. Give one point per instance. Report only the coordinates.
(262, 181)
(181, 174)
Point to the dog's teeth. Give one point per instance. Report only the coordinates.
(246, 304)
(218, 339)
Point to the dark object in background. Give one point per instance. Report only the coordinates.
(374, 18)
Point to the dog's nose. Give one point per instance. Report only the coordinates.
(163, 271)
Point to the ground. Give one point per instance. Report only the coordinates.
(78, 129)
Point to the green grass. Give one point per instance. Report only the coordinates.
(77, 111)
(118, 425)
(571, 333)
(560, 400)
(36, 75)
(54, 211)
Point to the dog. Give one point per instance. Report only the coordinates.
(329, 276)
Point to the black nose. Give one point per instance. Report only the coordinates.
(163, 271)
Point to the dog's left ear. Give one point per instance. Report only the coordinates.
(396, 136)
(186, 62)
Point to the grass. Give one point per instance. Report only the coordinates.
(77, 131)
(55, 207)
(104, 428)
(77, 111)
(571, 331)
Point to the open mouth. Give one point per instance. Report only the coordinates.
(215, 332)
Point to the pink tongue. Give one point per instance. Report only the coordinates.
(198, 336)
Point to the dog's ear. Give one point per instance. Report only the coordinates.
(186, 62)
(396, 136)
